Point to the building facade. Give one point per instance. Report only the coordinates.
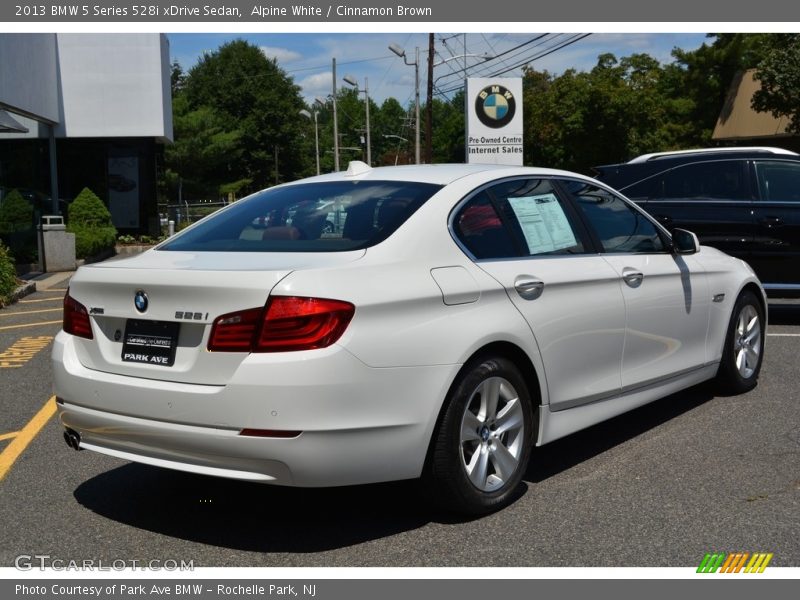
(83, 110)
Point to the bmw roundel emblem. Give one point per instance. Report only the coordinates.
(140, 301)
(495, 106)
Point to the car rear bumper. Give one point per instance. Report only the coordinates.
(357, 424)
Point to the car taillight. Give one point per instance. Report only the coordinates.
(234, 332)
(287, 323)
(76, 318)
(293, 323)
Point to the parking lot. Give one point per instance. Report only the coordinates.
(659, 486)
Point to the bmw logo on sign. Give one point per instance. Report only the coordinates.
(140, 301)
(495, 106)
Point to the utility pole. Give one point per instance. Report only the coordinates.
(416, 87)
(335, 123)
(402, 53)
(369, 143)
(354, 82)
(429, 105)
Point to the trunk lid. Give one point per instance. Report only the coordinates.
(189, 288)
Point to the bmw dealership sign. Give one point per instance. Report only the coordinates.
(494, 121)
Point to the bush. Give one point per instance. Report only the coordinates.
(8, 276)
(90, 221)
(16, 213)
(17, 227)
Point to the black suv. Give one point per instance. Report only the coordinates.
(743, 201)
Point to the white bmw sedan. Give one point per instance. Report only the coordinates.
(396, 323)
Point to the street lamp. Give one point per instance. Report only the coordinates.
(399, 51)
(307, 114)
(354, 82)
(484, 56)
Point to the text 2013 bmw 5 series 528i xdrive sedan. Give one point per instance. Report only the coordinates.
(396, 323)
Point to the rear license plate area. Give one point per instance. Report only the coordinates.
(150, 342)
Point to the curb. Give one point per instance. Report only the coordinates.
(26, 288)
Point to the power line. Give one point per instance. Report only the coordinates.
(527, 60)
(349, 62)
(571, 41)
(515, 51)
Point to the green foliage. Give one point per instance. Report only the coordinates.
(236, 110)
(232, 112)
(235, 187)
(448, 130)
(8, 275)
(779, 74)
(87, 210)
(17, 228)
(90, 221)
(579, 120)
(143, 240)
(703, 76)
(16, 213)
(634, 105)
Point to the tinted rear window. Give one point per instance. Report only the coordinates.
(311, 217)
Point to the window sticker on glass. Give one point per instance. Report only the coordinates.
(543, 223)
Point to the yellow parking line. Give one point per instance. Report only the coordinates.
(29, 312)
(8, 436)
(24, 349)
(40, 300)
(62, 290)
(25, 436)
(30, 325)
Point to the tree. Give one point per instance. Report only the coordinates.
(204, 150)
(634, 105)
(704, 76)
(236, 125)
(16, 213)
(392, 141)
(91, 223)
(449, 129)
(177, 78)
(779, 74)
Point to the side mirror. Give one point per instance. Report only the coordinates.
(684, 242)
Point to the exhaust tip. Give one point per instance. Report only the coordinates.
(73, 439)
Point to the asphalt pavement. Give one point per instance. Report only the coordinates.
(660, 486)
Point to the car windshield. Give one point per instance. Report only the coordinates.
(311, 217)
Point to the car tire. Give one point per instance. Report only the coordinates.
(744, 346)
(482, 444)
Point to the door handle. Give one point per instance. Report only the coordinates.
(632, 278)
(528, 287)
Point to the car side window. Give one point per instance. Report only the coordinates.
(619, 227)
(712, 180)
(778, 180)
(479, 228)
(541, 222)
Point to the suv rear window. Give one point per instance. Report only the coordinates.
(312, 217)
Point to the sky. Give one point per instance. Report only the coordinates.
(307, 56)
